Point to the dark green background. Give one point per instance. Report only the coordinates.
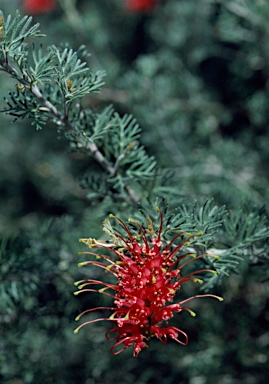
(195, 75)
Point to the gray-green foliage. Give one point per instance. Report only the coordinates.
(52, 84)
(35, 289)
(234, 237)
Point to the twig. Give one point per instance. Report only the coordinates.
(90, 146)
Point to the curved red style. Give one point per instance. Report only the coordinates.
(148, 275)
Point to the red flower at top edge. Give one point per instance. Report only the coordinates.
(38, 6)
(148, 274)
(140, 5)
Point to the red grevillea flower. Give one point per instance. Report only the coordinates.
(140, 5)
(38, 6)
(148, 274)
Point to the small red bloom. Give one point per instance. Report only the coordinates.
(140, 5)
(38, 6)
(148, 274)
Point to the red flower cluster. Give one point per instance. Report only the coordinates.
(148, 274)
(38, 6)
(140, 5)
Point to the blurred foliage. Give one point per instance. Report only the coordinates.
(195, 76)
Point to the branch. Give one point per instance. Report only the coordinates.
(49, 107)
